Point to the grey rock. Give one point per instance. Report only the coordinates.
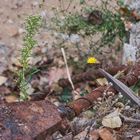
(133, 4)
(4, 54)
(80, 124)
(74, 38)
(129, 53)
(135, 38)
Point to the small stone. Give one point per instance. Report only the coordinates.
(110, 94)
(99, 99)
(129, 53)
(81, 136)
(35, 3)
(74, 38)
(44, 50)
(43, 80)
(57, 103)
(4, 90)
(112, 120)
(34, 60)
(4, 54)
(65, 37)
(35, 83)
(120, 95)
(11, 99)
(43, 14)
(127, 107)
(19, 3)
(61, 63)
(30, 90)
(119, 104)
(10, 21)
(54, 100)
(12, 30)
(15, 61)
(94, 135)
(105, 134)
(99, 103)
(76, 59)
(21, 31)
(88, 114)
(2, 80)
(76, 97)
(102, 81)
(1, 11)
(136, 138)
(56, 88)
(82, 32)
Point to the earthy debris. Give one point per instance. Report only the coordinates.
(11, 30)
(112, 120)
(129, 120)
(28, 120)
(94, 135)
(86, 102)
(105, 134)
(120, 87)
(16, 116)
(11, 99)
(136, 138)
(87, 117)
(2, 80)
(95, 17)
(92, 75)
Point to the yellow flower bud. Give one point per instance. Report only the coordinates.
(92, 60)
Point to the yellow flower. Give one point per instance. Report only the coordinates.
(92, 60)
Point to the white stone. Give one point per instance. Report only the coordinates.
(129, 53)
(74, 38)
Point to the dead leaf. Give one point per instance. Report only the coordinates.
(136, 15)
(81, 136)
(102, 81)
(35, 60)
(94, 135)
(56, 88)
(15, 61)
(37, 109)
(11, 99)
(57, 73)
(112, 120)
(2, 80)
(138, 131)
(105, 134)
(88, 114)
(30, 90)
(136, 138)
(4, 90)
(11, 30)
(88, 88)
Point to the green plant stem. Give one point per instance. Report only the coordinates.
(32, 25)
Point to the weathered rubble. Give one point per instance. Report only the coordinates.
(28, 120)
(38, 119)
(132, 47)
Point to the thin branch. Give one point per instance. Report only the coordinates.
(129, 120)
(67, 69)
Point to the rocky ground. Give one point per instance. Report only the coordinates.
(94, 124)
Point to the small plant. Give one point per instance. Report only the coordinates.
(90, 21)
(74, 23)
(32, 25)
(97, 25)
(110, 26)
